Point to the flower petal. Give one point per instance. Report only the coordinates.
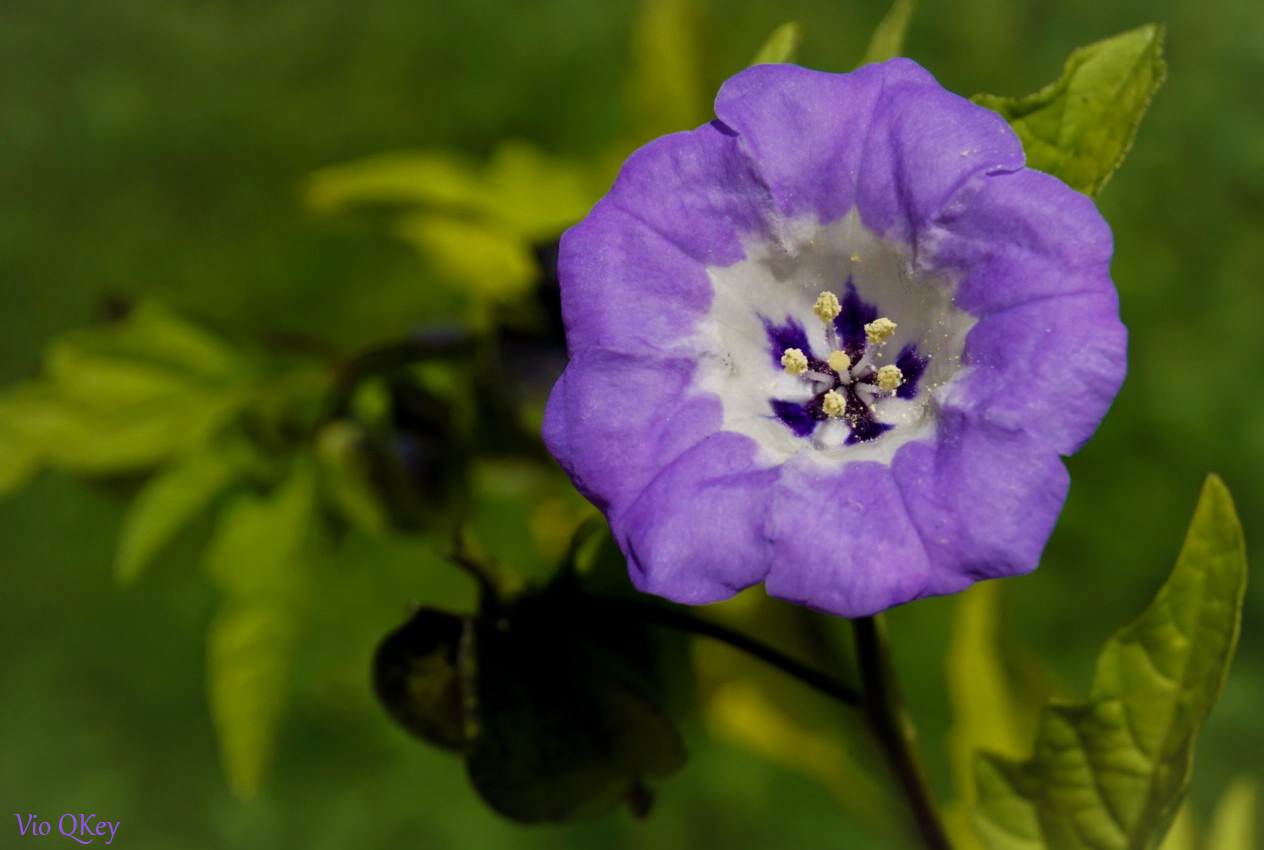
(983, 499)
(696, 533)
(635, 267)
(885, 139)
(1020, 237)
(614, 420)
(843, 540)
(1050, 366)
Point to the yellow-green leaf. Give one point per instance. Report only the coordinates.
(781, 46)
(1080, 127)
(247, 659)
(1183, 833)
(1233, 824)
(989, 714)
(490, 261)
(1109, 774)
(168, 503)
(665, 90)
(887, 41)
(122, 397)
(255, 558)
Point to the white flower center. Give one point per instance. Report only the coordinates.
(785, 350)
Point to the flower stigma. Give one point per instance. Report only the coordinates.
(838, 361)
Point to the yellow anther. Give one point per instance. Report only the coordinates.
(794, 361)
(879, 330)
(839, 361)
(827, 307)
(834, 404)
(890, 377)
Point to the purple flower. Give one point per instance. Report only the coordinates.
(835, 341)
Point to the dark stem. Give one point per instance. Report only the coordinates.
(682, 621)
(885, 712)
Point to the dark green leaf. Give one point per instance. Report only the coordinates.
(781, 46)
(888, 39)
(1109, 774)
(1080, 127)
(415, 676)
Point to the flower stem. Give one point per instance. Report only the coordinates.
(885, 712)
(685, 622)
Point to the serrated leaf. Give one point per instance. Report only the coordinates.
(255, 559)
(888, 39)
(167, 503)
(665, 89)
(1110, 773)
(1080, 127)
(1233, 823)
(782, 45)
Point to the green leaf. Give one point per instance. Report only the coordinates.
(665, 90)
(255, 559)
(989, 713)
(478, 224)
(1183, 833)
(248, 653)
(888, 39)
(781, 46)
(168, 503)
(1080, 127)
(488, 260)
(20, 455)
(520, 190)
(1110, 773)
(1233, 823)
(37, 422)
(122, 397)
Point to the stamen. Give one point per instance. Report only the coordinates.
(827, 307)
(839, 362)
(890, 377)
(879, 330)
(794, 361)
(834, 404)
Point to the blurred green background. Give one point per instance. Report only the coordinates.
(159, 148)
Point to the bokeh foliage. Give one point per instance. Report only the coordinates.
(161, 150)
